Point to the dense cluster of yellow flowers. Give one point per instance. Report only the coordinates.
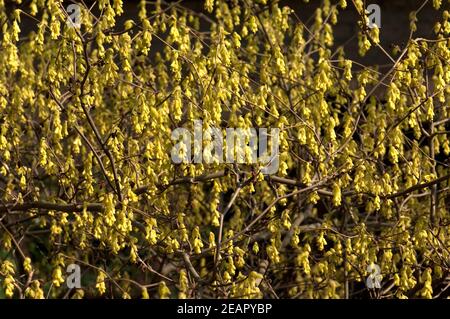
(86, 176)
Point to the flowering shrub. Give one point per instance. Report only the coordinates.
(86, 175)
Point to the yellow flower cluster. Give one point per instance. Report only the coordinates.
(86, 117)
